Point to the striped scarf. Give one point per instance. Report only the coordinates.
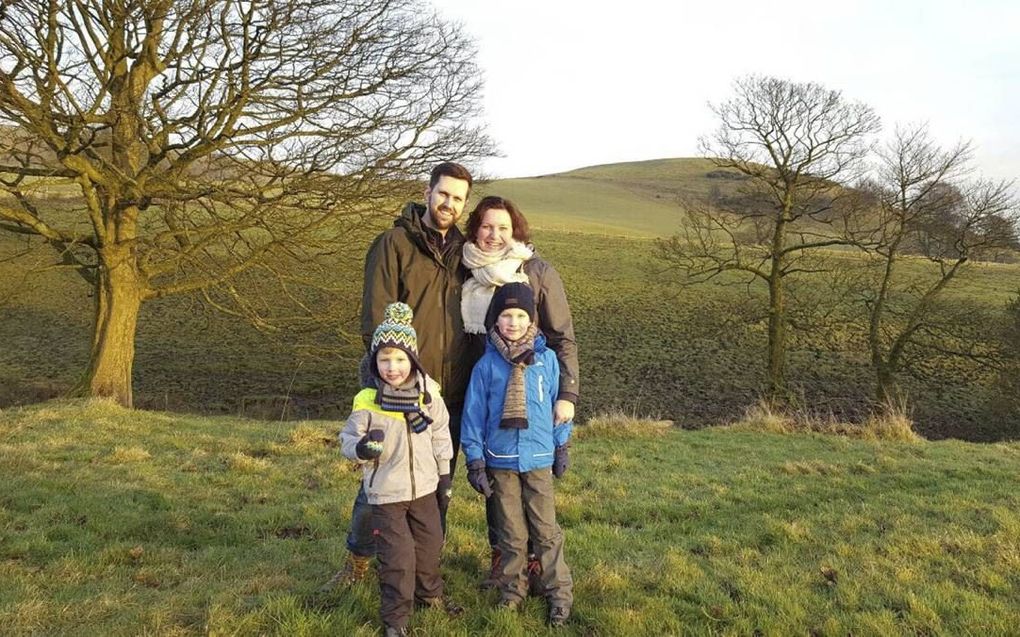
(519, 354)
(405, 399)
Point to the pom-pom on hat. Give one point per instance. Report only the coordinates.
(396, 331)
(510, 296)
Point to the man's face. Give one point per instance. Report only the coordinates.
(394, 365)
(445, 202)
(513, 323)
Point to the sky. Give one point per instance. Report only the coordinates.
(570, 85)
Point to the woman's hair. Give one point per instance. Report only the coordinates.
(517, 220)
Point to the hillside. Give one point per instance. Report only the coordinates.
(647, 345)
(632, 199)
(115, 522)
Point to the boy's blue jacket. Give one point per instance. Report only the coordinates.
(515, 449)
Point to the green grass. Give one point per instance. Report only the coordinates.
(115, 522)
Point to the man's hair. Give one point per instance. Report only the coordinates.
(517, 220)
(450, 169)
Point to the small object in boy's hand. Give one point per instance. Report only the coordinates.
(371, 445)
(561, 460)
(477, 477)
(444, 491)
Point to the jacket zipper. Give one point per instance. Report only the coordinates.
(540, 383)
(375, 463)
(410, 459)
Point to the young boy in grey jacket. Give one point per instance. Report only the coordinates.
(400, 434)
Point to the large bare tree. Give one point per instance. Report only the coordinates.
(795, 143)
(925, 209)
(197, 141)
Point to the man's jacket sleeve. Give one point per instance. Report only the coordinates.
(382, 283)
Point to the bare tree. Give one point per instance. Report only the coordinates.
(925, 208)
(796, 143)
(205, 140)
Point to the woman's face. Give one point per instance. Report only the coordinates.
(496, 230)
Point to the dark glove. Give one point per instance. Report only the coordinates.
(370, 446)
(478, 478)
(561, 460)
(444, 491)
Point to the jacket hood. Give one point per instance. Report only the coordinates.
(410, 219)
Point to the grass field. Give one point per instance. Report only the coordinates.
(647, 345)
(115, 522)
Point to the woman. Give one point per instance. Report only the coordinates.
(498, 251)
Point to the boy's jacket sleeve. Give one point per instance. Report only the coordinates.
(472, 422)
(442, 443)
(354, 430)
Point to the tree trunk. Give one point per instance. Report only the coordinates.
(119, 293)
(886, 387)
(777, 317)
(777, 340)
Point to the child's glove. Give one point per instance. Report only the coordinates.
(444, 491)
(370, 446)
(561, 460)
(478, 478)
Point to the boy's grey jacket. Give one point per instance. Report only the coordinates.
(515, 449)
(410, 464)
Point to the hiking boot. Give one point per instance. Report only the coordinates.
(512, 605)
(390, 631)
(495, 566)
(534, 571)
(443, 603)
(558, 616)
(354, 570)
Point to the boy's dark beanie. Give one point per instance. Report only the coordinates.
(510, 296)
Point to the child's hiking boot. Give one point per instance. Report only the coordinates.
(512, 605)
(444, 603)
(534, 570)
(354, 570)
(558, 616)
(495, 566)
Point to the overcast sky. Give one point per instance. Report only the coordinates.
(571, 85)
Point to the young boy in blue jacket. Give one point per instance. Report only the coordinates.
(510, 444)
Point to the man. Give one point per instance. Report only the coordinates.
(417, 262)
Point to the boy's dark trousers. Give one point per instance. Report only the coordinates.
(409, 539)
(359, 538)
(526, 507)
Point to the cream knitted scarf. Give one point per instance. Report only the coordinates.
(489, 270)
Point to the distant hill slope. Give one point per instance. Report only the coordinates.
(637, 199)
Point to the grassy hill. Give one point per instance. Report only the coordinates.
(115, 522)
(637, 199)
(647, 345)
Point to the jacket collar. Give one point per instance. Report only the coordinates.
(411, 220)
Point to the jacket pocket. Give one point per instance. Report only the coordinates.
(501, 443)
